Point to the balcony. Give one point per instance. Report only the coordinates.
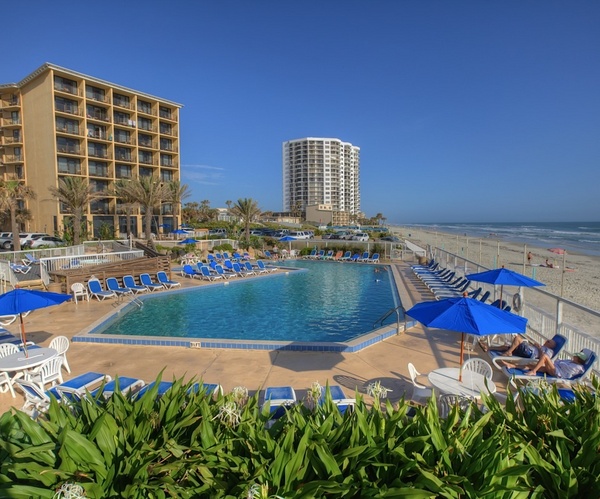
(146, 110)
(68, 149)
(67, 89)
(121, 139)
(147, 161)
(8, 122)
(146, 126)
(68, 130)
(13, 158)
(97, 153)
(98, 117)
(98, 97)
(12, 101)
(125, 104)
(10, 141)
(171, 132)
(72, 110)
(130, 158)
(148, 144)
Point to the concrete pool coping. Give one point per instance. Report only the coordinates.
(89, 334)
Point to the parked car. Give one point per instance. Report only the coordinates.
(26, 237)
(42, 241)
(218, 232)
(360, 236)
(392, 239)
(299, 234)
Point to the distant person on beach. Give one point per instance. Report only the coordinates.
(520, 347)
(548, 264)
(565, 369)
(529, 257)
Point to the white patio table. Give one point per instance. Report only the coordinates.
(20, 363)
(445, 380)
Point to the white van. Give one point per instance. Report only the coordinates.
(299, 234)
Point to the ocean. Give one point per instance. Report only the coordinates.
(575, 237)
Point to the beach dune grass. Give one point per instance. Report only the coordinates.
(187, 444)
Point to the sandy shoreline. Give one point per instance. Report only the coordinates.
(581, 280)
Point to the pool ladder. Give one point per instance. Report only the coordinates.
(396, 310)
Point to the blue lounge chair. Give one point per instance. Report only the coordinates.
(320, 255)
(129, 282)
(497, 356)
(263, 268)
(161, 388)
(338, 397)
(79, 385)
(7, 337)
(364, 257)
(268, 255)
(346, 256)
(279, 399)
(123, 384)
(237, 268)
(188, 271)
(147, 281)
(355, 257)
(249, 268)
(212, 389)
(30, 259)
(113, 285)
(221, 272)
(484, 297)
(374, 258)
(165, 281)
(20, 269)
(97, 292)
(313, 254)
(328, 255)
(207, 275)
(515, 374)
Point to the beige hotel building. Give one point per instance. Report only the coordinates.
(57, 122)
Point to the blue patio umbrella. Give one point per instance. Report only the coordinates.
(289, 240)
(467, 316)
(179, 231)
(504, 277)
(189, 240)
(18, 301)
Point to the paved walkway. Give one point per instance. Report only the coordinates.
(385, 362)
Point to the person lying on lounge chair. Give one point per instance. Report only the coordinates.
(565, 369)
(520, 347)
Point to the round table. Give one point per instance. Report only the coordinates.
(445, 380)
(19, 362)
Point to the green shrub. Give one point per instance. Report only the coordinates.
(190, 445)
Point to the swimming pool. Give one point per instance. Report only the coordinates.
(320, 302)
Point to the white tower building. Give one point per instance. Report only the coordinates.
(321, 171)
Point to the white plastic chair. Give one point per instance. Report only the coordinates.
(79, 290)
(479, 366)
(6, 320)
(61, 345)
(49, 372)
(447, 401)
(420, 392)
(6, 382)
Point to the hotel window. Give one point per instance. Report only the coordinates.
(121, 100)
(146, 172)
(66, 125)
(99, 206)
(122, 154)
(15, 118)
(95, 93)
(144, 140)
(145, 157)
(70, 146)
(166, 176)
(97, 113)
(17, 152)
(69, 166)
(123, 171)
(166, 160)
(145, 124)
(166, 209)
(98, 169)
(165, 112)
(99, 185)
(97, 150)
(65, 85)
(166, 128)
(122, 118)
(122, 136)
(96, 131)
(166, 144)
(144, 107)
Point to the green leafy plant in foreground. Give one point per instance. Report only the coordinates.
(193, 445)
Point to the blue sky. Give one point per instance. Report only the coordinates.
(465, 111)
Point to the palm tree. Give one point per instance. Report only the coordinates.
(176, 192)
(148, 192)
(75, 193)
(246, 209)
(121, 191)
(11, 192)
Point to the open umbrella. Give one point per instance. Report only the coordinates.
(467, 316)
(189, 240)
(179, 231)
(289, 240)
(504, 277)
(19, 301)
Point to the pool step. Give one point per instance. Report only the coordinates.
(195, 344)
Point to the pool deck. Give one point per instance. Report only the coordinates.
(385, 361)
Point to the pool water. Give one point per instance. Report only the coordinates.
(323, 302)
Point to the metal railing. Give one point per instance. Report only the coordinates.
(548, 314)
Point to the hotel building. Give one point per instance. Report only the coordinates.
(318, 171)
(57, 122)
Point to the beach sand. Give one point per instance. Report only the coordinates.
(581, 279)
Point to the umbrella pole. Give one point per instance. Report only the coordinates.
(462, 352)
(23, 338)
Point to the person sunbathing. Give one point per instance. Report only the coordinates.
(564, 368)
(520, 347)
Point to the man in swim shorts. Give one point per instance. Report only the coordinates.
(565, 369)
(522, 348)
